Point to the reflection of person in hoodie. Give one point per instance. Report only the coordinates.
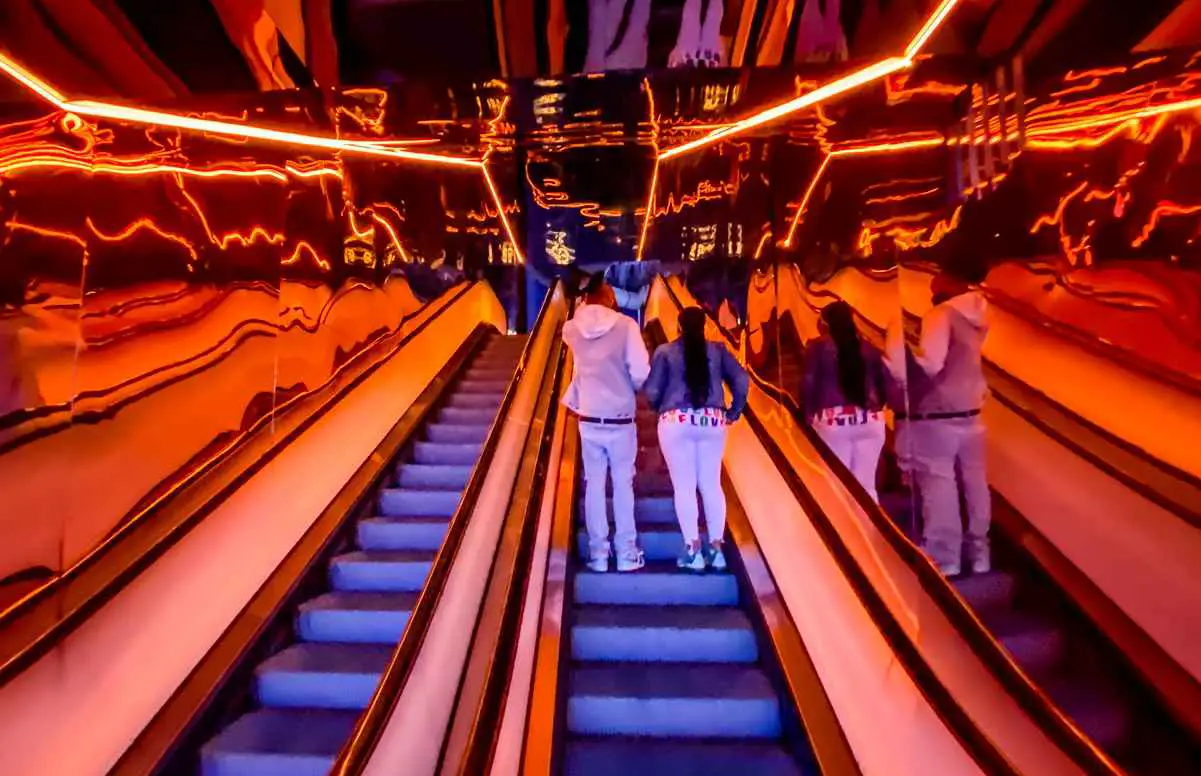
(611, 364)
(942, 435)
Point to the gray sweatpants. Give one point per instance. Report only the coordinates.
(934, 452)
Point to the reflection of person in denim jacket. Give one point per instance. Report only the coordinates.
(842, 394)
(941, 438)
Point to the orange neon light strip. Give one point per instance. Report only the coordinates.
(833, 89)
(500, 212)
(141, 116)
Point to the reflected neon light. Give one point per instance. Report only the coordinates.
(833, 89)
(248, 131)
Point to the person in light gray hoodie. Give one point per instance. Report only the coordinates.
(611, 364)
(941, 438)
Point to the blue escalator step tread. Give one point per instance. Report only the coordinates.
(456, 433)
(402, 533)
(486, 401)
(674, 700)
(438, 454)
(661, 542)
(608, 756)
(690, 634)
(355, 618)
(658, 584)
(434, 477)
(381, 570)
(278, 742)
(987, 593)
(1036, 644)
(414, 502)
(1095, 708)
(322, 676)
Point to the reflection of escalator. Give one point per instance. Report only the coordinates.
(1040, 627)
(668, 673)
(307, 696)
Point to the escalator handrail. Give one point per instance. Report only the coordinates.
(163, 740)
(356, 754)
(470, 744)
(31, 628)
(541, 747)
(1059, 729)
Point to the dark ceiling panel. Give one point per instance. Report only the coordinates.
(188, 36)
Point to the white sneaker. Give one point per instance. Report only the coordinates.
(691, 561)
(717, 559)
(981, 566)
(599, 563)
(631, 561)
(950, 569)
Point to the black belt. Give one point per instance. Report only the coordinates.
(607, 421)
(939, 415)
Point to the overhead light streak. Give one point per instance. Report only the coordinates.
(835, 88)
(104, 110)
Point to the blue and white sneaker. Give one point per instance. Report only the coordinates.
(717, 559)
(691, 560)
(631, 560)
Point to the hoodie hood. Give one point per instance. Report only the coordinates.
(972, 306)
(593, 320)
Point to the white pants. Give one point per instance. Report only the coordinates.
(938, 452)
(858, 447)
(609, 450)
(693, 455)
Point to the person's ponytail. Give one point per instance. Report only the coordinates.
(696, 355)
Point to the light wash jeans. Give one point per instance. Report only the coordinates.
(693, 454)
(609, 450)
(935, 451)
(857, 445)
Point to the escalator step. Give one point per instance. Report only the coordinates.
(478, 401)
(683, 634)
(607, 756)
(647, 509)
(394, 502)
(488, 387)
(427, 477)
(659, 584)
(381, 571)
(1036, 644)
(1098, 711)
(456, 434)
(684, 701)
(988, 592)
(467, 416)
(355, 618)
(322, 676)
(435, 454)
(278, 742)
(402, 533)
(659, 542)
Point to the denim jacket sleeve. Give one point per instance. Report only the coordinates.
(738, 380)
(656, 383)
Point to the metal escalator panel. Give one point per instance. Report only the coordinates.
(308, 695)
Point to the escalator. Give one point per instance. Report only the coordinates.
(306, 698)
(667, 670)
(1041, 629)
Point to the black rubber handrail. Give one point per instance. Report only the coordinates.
(470, 745)
(355, 756)
(164, 746)
(32, 628)
(982, 748)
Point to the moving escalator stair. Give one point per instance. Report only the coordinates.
(308, 695)
(667, 673)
